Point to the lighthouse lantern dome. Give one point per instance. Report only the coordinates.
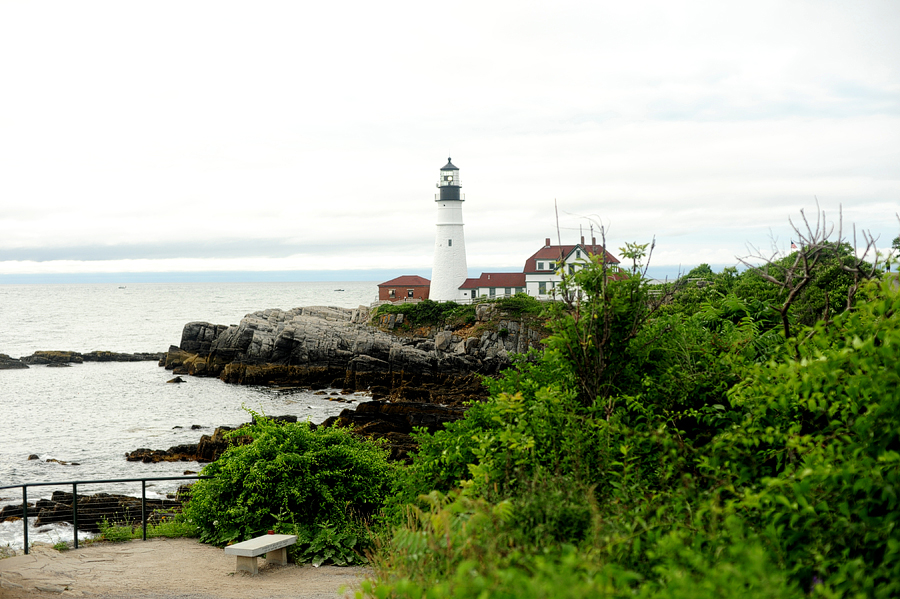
(449, 182)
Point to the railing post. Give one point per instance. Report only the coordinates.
(75, 511)
(25, 514)
(144, 507)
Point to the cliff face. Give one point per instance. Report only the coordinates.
(327, 346)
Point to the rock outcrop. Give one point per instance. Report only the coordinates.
(7, 363)
(208, 449)
(327, 346)
(394, 421)
(92, 510)
(54, 358)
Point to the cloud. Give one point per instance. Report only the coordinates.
(287, 135)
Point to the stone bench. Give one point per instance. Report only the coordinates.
(273, 546)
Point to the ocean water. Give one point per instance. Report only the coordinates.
(93, 413)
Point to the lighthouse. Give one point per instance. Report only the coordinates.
(450, 270)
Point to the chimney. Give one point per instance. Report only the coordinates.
(547, 243)
(582, 241)
(593, 241)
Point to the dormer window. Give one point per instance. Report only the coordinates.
(540, 266)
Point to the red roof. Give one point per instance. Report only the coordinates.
(496, 279)
(407, 281)
(552, 253)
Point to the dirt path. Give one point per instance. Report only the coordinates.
(164, 569)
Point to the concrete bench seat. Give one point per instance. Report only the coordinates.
(273, 546)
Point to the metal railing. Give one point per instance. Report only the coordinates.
(75, 499)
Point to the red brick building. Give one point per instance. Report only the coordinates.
(405, 287)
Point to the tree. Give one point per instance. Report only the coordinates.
(817, 245)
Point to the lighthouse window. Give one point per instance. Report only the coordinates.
(450, 242)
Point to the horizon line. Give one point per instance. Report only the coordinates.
(268, 276)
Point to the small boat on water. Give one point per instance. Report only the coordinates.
(338, 289)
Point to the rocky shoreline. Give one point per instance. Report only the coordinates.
(424, 379)
(390, 421)
(92, 509)
(67, 358)
(322, 347)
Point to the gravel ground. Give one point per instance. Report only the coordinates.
(164, 569)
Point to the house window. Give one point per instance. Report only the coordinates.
(571, 269)
(540, 266)
(578, 254)
(542, 288)
(449, 243)
(520, 290)
(492, 291)
(551, 265)
(409, 292)
(474, 293)
(506, 290)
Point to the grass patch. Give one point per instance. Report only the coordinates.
(171, 527)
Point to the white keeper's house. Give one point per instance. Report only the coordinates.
(542, 273)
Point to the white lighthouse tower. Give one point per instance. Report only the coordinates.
(450, 270)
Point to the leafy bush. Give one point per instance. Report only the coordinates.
(466, 548)
(291, 478)
(818, 451)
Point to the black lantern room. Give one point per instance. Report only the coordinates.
(449, 182)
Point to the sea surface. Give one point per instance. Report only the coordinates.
(92, 414)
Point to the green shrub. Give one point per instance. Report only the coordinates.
(464, 548)
(117, 532)
(290, 476)
(429, 313)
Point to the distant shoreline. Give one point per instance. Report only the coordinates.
(281, 276)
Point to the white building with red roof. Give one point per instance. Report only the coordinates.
(544, 269)
(492, 284)
(541, 275)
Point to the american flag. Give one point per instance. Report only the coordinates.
(793, 245)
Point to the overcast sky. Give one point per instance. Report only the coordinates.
(199, 136)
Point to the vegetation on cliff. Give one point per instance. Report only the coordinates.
(450, 315)
(681, 448)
